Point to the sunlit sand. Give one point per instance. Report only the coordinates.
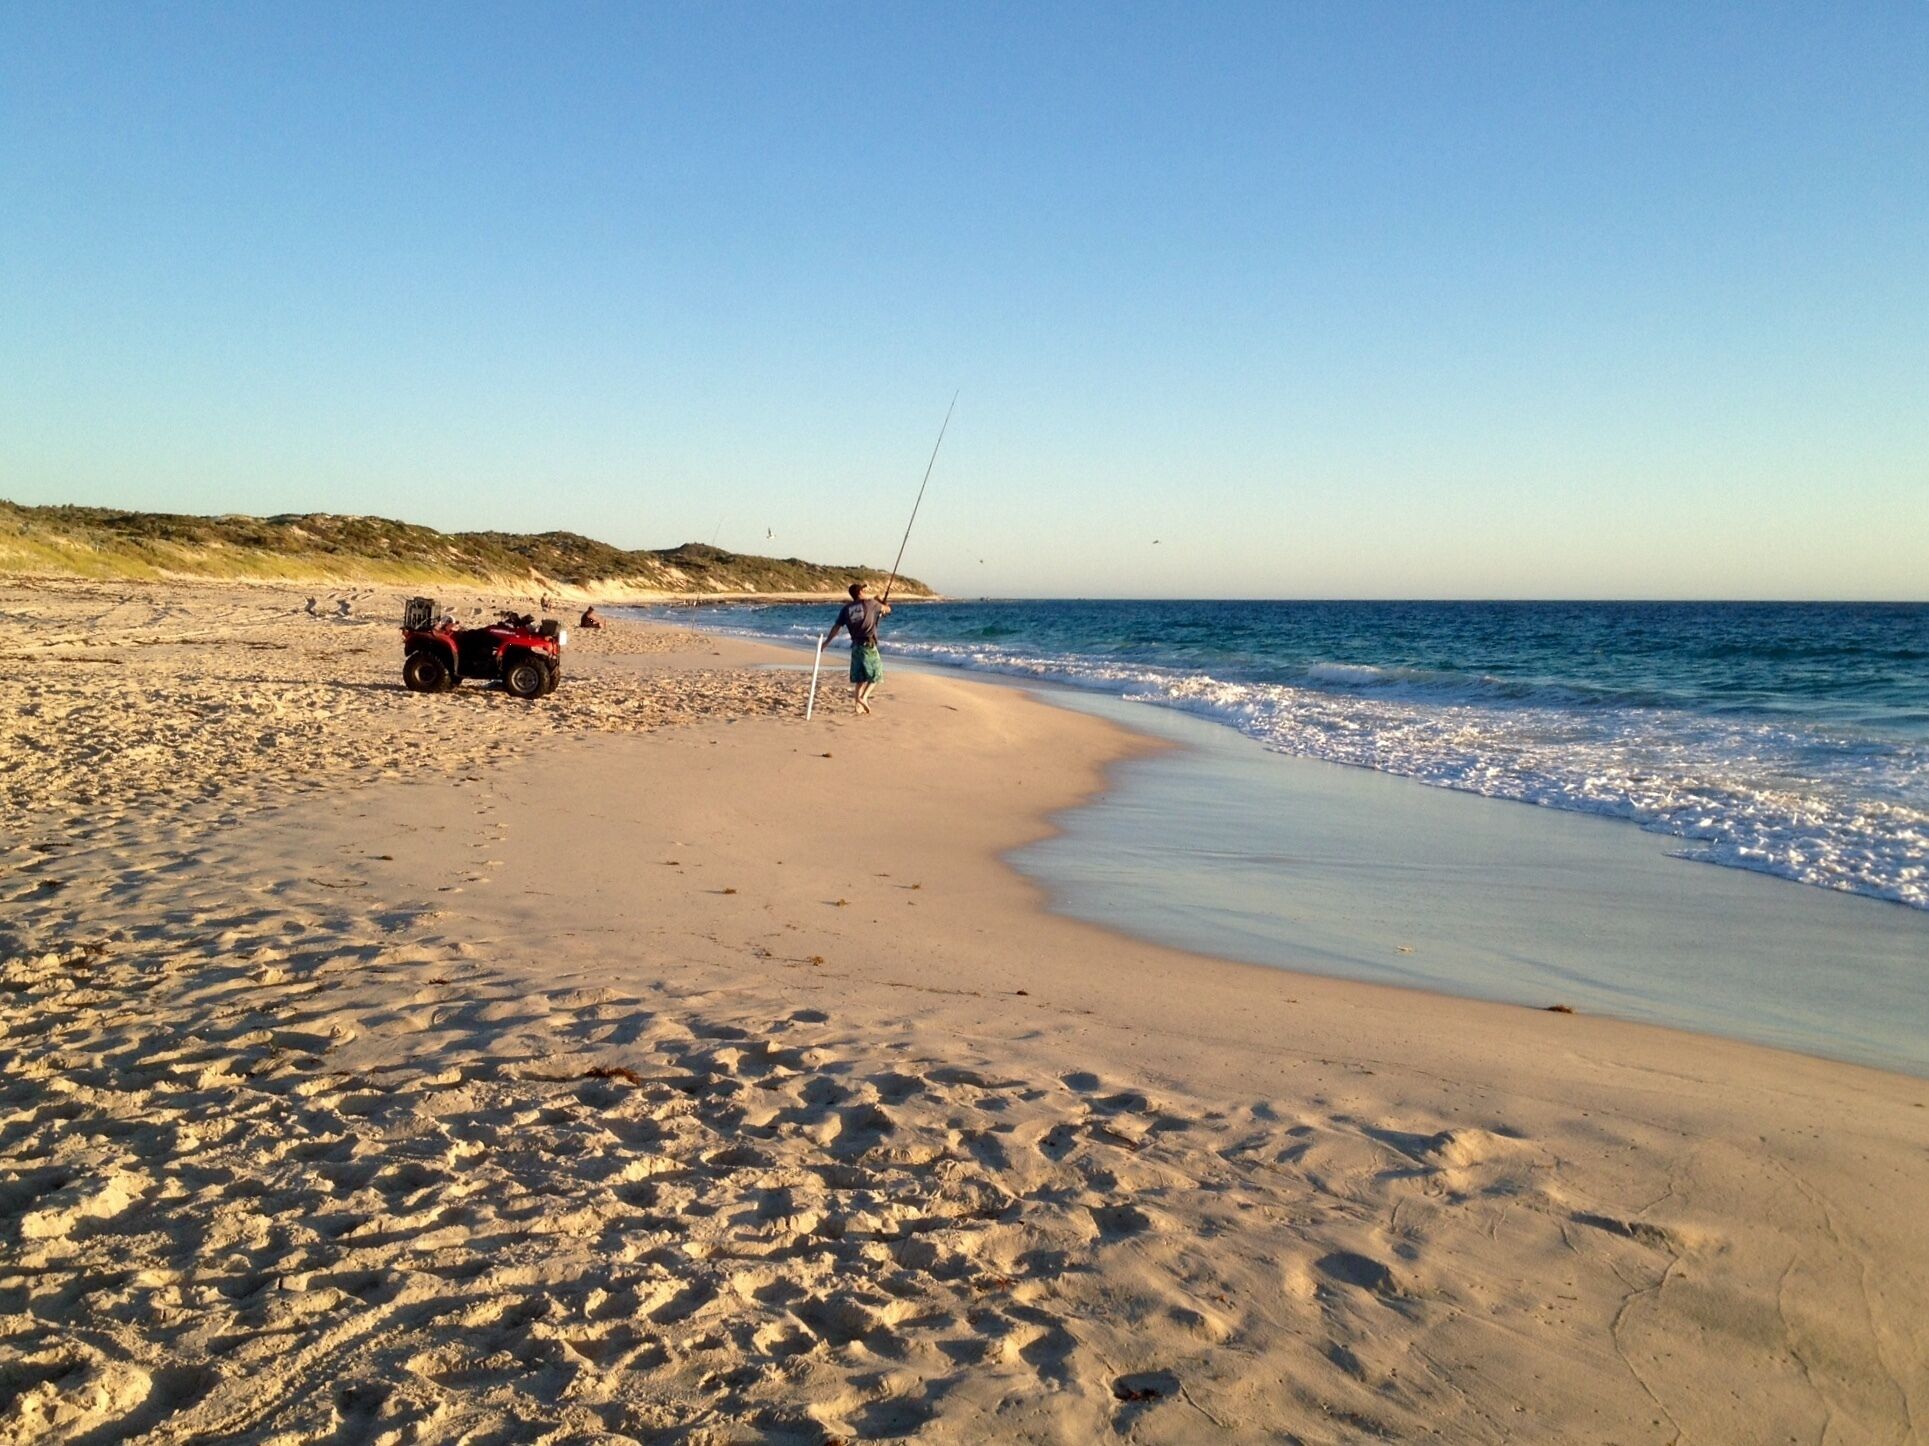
(642, 1063)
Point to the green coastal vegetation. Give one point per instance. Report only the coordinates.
(100, 542)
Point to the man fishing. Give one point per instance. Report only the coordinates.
(859, 617)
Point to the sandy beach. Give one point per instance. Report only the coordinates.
(646, 1064)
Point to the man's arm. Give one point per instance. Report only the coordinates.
(834, 627)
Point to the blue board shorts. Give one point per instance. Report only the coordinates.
(865, 665)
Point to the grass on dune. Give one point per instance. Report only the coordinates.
(95, 542)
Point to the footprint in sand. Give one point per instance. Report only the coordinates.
(1360, 1272)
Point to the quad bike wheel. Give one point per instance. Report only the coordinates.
(526, 678)
(555, 672)
(425, 672)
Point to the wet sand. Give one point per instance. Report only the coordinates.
(1223, 847)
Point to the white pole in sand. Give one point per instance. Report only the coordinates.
(813, 680)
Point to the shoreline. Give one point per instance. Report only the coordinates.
(1533, 908)
(1740, 916)
(679, 1078)
(1793, 777)
(1130, 745)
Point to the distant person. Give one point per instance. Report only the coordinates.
(589, 619)
(860, 617)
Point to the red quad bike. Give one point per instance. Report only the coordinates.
(516, 651)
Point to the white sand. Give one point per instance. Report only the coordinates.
(690, 1085)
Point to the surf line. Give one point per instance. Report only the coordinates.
(811, 705)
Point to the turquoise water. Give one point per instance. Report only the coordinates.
(1788, 739)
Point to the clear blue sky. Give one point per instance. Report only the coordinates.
(1331, 300)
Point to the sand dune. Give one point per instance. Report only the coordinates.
(587, 1090)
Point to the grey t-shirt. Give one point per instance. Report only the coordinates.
(860, 616)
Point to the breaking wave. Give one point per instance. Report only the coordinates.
(1823, 782)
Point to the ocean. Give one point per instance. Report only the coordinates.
(1791, 739)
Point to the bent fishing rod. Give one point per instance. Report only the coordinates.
(920, 502)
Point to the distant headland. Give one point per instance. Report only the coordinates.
(99, 542)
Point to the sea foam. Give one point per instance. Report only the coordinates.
(1752, 777)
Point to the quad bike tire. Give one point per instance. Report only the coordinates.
(525, 678)
(426, 672)
(555, 672)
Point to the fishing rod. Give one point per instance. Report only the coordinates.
(818, 663)
(920, 502)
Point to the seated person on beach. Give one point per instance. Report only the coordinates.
(860, 617)
(589, 619)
